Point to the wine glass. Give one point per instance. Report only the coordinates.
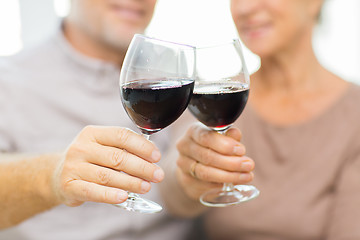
(156, 84)
(220, 94)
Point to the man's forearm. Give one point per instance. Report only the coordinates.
(25, 186)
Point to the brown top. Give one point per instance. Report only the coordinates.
(308, 176)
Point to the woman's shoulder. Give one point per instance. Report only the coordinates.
(354, 85)
(352, 95)
(349, 107)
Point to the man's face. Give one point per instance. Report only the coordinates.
(112, 22)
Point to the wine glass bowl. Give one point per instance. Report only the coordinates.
(156, 84)
(219, 104)
(220, 95)
(154, 104)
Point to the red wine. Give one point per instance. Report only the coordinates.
(218, 105)
(155, 104)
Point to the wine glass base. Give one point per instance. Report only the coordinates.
(140, 205)
(220, 198)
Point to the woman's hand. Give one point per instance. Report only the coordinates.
(209, 159)
(102, 163)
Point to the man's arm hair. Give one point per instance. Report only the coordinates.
(26, 186)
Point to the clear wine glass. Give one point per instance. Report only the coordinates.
(221, 92)
(156, 84)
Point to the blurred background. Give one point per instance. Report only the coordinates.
(24, 23)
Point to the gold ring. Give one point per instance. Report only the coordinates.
(192, 169)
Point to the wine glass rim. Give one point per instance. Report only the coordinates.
(233, 41)
(162, 40)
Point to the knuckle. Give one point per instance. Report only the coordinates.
(115, 158)
(103, 176)
(119, 159)
(203, 175)
(206, 156)
(86, 192)
(64, 186)
(143, 146)
(195, 131)
(180, 145)
(183, 164)
(143, 168)
(203, 137)
(123, 134)
(87, 129)
(106, 195)
(180, 162)
(66, 171)
(192, 129)
(74, 150)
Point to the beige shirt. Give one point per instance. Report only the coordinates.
(308, 175)
(47, 95)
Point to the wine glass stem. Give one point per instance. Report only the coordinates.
(147, 136)
(133, 196)
(228, 187)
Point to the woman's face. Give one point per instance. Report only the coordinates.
(270, 26)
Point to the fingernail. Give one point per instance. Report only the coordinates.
(145, 187)
(244, 177)
(247, 166)
(239, 150)
(158, 175)
(121, 196)
(156, 155)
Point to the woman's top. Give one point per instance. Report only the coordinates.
(308, 176)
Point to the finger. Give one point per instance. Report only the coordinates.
(212, 158)
(129, 163)
(211, 174)
(198, 184)
(124, 138)
(234, 133)
(216, 141)
(193, 187)
(111, 178)
(87, 191)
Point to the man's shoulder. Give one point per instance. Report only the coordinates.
(40, 53)
(7, 67)
(32, 62)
